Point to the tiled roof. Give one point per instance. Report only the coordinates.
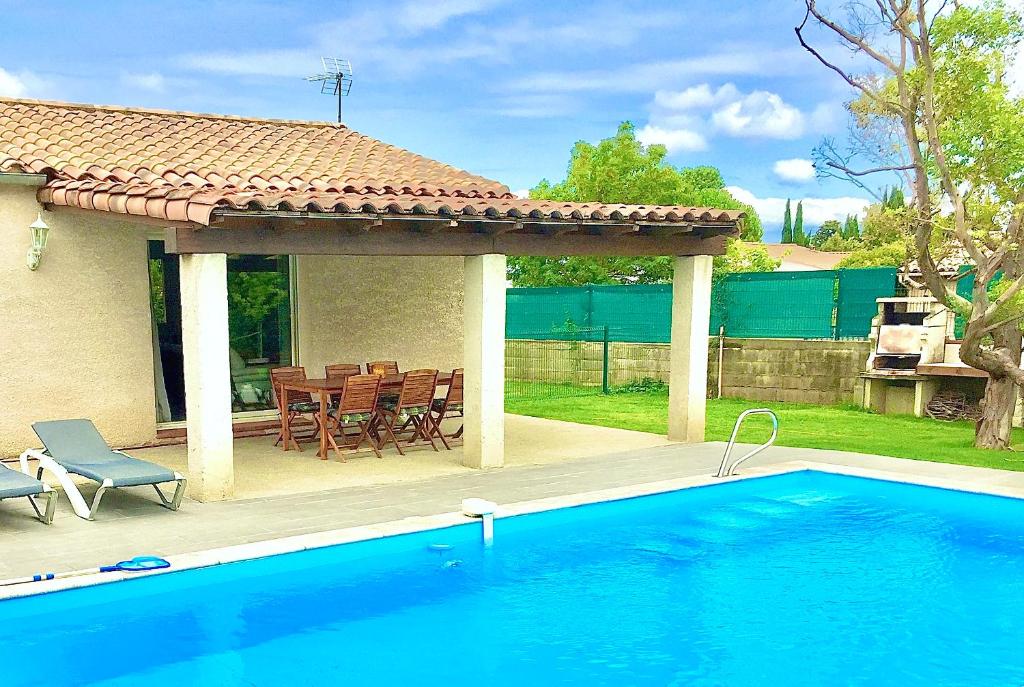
(182, 167)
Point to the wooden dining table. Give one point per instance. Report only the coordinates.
(323, 388)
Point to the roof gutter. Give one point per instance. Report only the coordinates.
(22, 179)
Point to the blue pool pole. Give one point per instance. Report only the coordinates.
(483, 509)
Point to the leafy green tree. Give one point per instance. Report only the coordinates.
(940, 113)
(620, 169)
(799, 237)
(886, 255)
(787, 225)
(827, 230)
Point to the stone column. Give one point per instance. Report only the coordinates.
(204, 334)
(484, 361)
(688, 378)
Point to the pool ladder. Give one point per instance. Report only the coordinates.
(727, 470)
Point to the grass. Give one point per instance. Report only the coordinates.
(844, 428)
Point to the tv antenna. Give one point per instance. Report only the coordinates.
(336, 79)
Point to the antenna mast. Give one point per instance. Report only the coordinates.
(336, 79)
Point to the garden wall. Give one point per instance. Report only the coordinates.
(812, 371)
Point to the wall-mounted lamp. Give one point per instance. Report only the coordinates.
(39, 230)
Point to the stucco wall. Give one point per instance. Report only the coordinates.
(358, 309)
(75, 337)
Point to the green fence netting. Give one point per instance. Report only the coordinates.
(823, 304)
(778, 305)
(855, 305)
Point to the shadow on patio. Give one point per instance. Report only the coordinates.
(262, 469)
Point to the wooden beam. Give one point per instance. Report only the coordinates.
(310, 241)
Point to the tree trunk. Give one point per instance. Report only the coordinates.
(993, 430)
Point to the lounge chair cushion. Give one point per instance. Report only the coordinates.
(14, 483)
(304, 407)
(438, 405)
(77, 447)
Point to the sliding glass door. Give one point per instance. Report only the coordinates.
(259, 322)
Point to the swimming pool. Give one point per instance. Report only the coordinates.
(805, 578)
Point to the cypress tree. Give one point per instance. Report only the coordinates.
(798, 225)
(851, 228)
(787, 225)
(896, 200)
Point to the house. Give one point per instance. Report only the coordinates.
(187, 254)
(801, 259)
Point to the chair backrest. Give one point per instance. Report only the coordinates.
(418, 388)
(388, 367)
(72, 439)
(359, 395)
(288, 374)
(341, 370)
(455, 388)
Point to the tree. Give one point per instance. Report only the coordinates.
(896, 200)
(851, 227)
(787, 225)
(799, 237)
(827, 230)
(938, 113)
(620, 169)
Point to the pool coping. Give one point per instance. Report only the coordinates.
(348, 535)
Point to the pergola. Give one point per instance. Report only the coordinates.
(225, 185)
(692, 236)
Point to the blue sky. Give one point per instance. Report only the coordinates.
(502, 89)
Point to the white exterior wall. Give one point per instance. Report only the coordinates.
(75, 335)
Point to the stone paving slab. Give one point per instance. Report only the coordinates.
(131, 524)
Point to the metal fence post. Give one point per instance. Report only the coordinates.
(604, 366)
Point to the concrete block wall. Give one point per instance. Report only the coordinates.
(809, 371)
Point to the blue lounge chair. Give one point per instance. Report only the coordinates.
(14, 484)
(75, 447)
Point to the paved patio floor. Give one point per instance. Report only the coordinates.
(130, 524)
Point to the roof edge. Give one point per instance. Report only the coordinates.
(171, 113)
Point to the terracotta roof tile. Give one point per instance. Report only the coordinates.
(182, 167)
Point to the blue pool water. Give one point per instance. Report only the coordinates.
(800, 579)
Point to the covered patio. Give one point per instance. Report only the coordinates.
(370, 228)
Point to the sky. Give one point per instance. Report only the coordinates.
(500, 88)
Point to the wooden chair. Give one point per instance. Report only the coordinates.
(449, 406)
(296, 405)
(358, 406)
(388, 367)
(412, 405)
(341, 370)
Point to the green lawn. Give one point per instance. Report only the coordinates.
(802, 425)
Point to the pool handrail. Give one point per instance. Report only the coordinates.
(726, 470)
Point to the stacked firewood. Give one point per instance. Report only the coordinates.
(952, 405)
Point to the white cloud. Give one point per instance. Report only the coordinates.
(794, 170)
(759, 114)
(151, 81)
(11, 85)
(413, 38)
(816, 210)
(697, 97)
(687, 119)
(522, 193)
(674, 140)
(652, 76)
